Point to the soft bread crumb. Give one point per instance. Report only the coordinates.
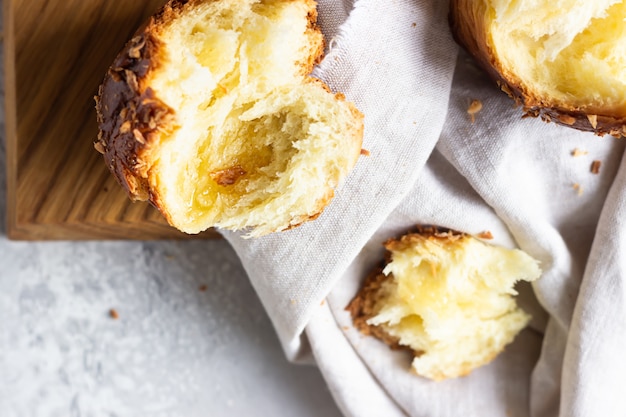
(447, 297)
(578, 152)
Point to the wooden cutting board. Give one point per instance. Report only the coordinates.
(56, 54)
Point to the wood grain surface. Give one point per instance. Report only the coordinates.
(56, 54)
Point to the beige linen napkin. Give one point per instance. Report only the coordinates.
(430, 164)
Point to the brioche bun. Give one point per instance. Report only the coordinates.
(563, 60)
(209, 113)
(447, 297)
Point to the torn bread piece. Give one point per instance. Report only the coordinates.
(446, 296)
(210, 113)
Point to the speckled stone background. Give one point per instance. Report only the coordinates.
(191, 339)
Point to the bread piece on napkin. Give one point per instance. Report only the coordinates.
(446, 296)
(561, 60)
(209, 113)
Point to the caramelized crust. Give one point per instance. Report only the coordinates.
(130, 116)
(363, 307)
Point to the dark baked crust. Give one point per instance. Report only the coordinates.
(467, 20)
(363, 307)
(421, 232)
(130, 116)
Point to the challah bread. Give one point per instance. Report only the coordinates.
(561, 60)
(209, 112)
(448, 297)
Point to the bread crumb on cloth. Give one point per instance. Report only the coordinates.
(474, 107)
(578, 188)
(485, 235)
(595, 166)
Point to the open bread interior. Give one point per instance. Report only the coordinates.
(258, 143)
(451, 300)
(573, 51)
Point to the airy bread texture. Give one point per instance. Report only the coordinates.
(210, 113)
(563, 60)
(448, 297)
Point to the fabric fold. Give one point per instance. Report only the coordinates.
(593, 365)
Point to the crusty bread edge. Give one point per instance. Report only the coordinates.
(362, 308)
(467, 22)
(130, 116)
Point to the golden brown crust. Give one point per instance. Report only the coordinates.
(313, 29)
(467, 20)
(363, 307)
(428, 232)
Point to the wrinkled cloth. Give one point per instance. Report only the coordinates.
(430, 163)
